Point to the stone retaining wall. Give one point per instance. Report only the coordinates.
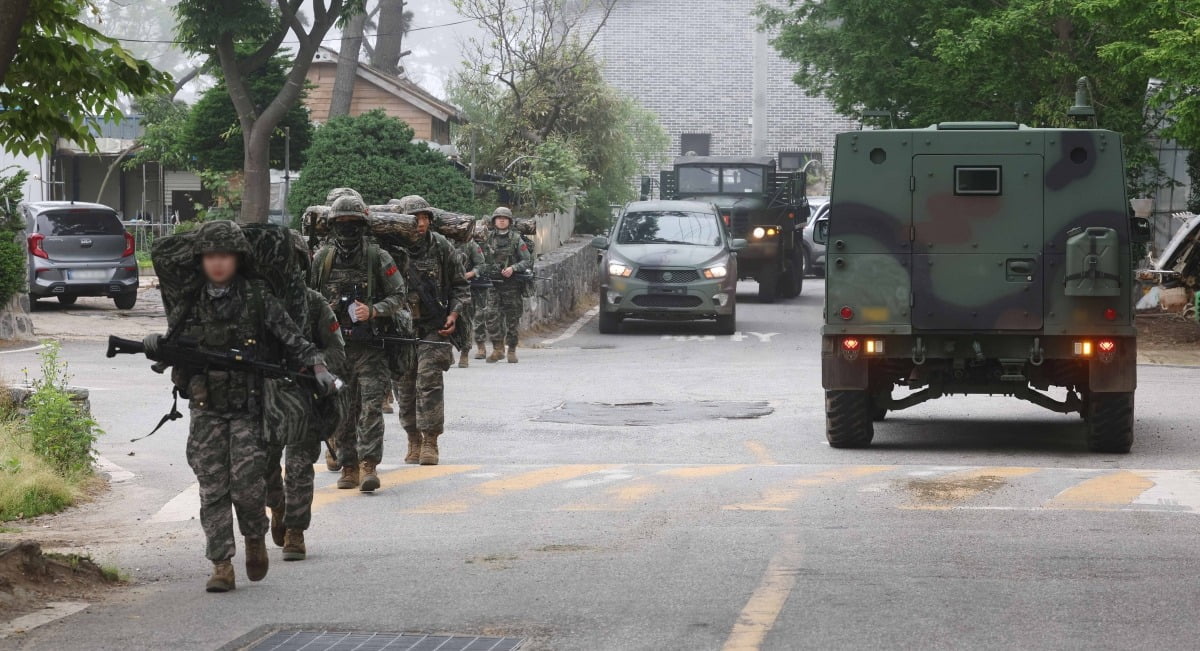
(14, 318)
(569, 276)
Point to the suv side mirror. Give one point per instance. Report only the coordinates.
(1141, 231)
(738, 245)
(600, 242)
(821, 232)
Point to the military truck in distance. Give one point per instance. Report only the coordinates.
(765, 207)
(980, 258)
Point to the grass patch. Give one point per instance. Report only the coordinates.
(113, 574)
(29, 487)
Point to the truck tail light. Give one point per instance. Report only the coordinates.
(850, 344)
(874, 346)
(1106, 345)
(1083, 349)
(1110, 314)
(725, 218)
(846, 313)
(35, 246)
(130, 245)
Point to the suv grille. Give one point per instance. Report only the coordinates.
(668, 275)
(666, 300)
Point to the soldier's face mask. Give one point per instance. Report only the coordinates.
(220, 268)
(349, 234)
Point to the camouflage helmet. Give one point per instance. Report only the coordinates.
(337, 193)
(501, 212)
(222, 236)
(303, 253)
(413, 204)
(348, 206)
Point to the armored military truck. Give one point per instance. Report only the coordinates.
(765, 207)
(979, 258)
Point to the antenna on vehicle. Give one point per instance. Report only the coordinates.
(1083, 111)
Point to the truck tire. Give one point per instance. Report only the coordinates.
(610, 323)
(1110, 423)
(727, 323)
(791, 283)
(848, 419)
(768, 287)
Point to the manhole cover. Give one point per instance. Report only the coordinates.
(341, 641)
(645, 414)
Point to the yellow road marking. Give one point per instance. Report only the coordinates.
(330, 494)
(767, 601)
(621, 498)
(522, 482)
(946, 491)
(779, 498)
(1113, 489)
(760, 452)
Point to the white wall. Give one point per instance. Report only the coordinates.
(34, 190)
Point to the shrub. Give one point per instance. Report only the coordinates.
(12, 254)
(60, 433)
(29, 487)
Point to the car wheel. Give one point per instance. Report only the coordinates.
(67, 300)
(848, 419)
(126, 301)
(768, 288)
(1110, 422)
(727, 323)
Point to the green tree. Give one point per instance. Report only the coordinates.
(374, 154)
(164, 129)
(213, 134)
(63, 73)
(12, 254)
(935, 60)
(242, 36)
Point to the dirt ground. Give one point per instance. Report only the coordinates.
(96, 318)
(29, 577)
(1168, 339)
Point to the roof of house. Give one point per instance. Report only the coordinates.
(400, 86)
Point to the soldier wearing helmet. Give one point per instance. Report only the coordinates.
(470, 255)
(505, 255)
(438, 295)
(363, 284)
(290, 493)
(224, 446)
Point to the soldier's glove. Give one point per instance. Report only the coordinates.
(329, 383)
(150, 343)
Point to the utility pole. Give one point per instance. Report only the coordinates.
(759, 125)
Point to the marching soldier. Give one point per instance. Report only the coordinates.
(290, 499)
(505, 255)
(437, 295)
(225, 442)
(363, 285)
(470, 255)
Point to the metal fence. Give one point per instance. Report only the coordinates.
(144, 233)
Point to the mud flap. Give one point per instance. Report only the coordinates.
(1118, 374)
(840, 371)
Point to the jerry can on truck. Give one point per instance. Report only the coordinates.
(980, 258)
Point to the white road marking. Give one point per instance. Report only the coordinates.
(1179, 488)
(23, 350)
(116, 474)
(52, 611)
(602, 477)
(574, 328)
(183, 507)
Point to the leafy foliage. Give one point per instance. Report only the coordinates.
(164, 129)
(12, 254)
(213, 135)
(936, 60)
(65, 72)
(374, 154)
(62, 434)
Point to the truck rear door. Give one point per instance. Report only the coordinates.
(977, 242)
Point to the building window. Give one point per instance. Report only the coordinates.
(694, 144)
(794, 160)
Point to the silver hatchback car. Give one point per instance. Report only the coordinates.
(79, 249)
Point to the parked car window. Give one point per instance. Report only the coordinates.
(83, 222)
(700, 180)
(670, 227)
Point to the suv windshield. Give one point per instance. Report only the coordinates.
(721, 180)
(81, 222)
(670, 227)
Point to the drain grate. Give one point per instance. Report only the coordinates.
(343, 641)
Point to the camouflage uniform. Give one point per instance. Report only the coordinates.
(225, 443)
(470, 255)
(344, 266)
(433, 265)
(293, 497)
(504, 249)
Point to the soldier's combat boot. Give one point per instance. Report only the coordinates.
(429, 450)
(293, 546)
(349, 478)
(482, 352)
(463, 359)
(222, 577)
(257, 560)
(370, 480)
(414, 449)
(512, 354)
(331, 461)
(497, 352)
(277, 526)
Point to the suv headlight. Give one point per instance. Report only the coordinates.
(619, 270)
(713, 273)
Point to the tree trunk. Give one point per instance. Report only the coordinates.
(393, 24)
(347, 66)
(256, 182)
(12, 17)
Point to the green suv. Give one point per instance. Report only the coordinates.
(669, 261)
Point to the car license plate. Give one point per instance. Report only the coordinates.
(663, 289)
(87, 274)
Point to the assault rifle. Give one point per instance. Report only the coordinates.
(364, 334)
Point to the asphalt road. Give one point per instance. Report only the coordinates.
(670, 489)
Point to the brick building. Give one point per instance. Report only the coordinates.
(693, 64)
